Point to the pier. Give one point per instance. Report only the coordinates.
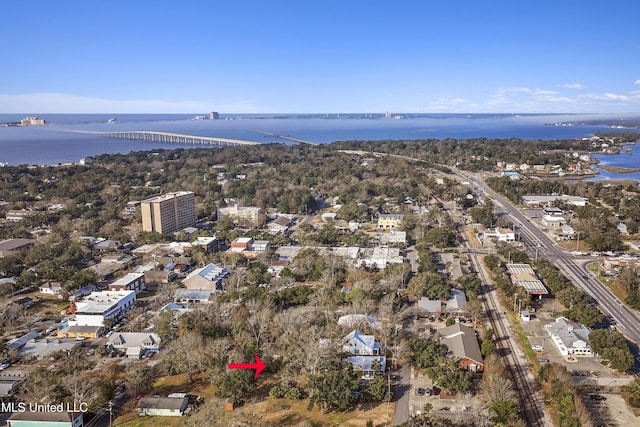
(171, 138)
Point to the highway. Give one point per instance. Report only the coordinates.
(627, 321)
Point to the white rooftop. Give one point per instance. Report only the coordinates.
(101, 302)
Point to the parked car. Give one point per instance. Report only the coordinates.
(435, 391)
(537, 347)
(4, 366)
(597, 397)
(420, 392)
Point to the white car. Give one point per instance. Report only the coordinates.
(537, 347)
(4, 366)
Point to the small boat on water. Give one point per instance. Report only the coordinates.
(112, 120)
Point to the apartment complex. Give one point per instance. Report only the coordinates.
(248, 214)
(169, 212)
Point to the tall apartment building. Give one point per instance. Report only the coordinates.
(169, 212)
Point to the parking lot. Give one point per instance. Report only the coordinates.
(594, 378)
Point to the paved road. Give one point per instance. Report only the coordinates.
(536, 240)
(401, 395)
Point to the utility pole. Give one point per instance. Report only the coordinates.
(110, 413)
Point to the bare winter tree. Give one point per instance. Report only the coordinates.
(184, 354)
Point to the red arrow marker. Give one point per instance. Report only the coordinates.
(258, 366)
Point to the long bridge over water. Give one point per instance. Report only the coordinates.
(171, 138)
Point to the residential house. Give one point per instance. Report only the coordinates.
(454, 306)
(430, 307)
(177, 309)
(394, 236)
(132, 207)
(355, 320)
(380, 257)
(13, 246)
(51, 288)
(329, 216)
(569, 338)
(280, 225)
(9, 384)
(18, 215)
(463, 344)
(206, 278)
(106, 245)
(192, 296)
(388, 222)
(365, 353)
(24, 302)
(162, 406)
(134, 343)
(46, 419)
(161, 276)
(82, 292)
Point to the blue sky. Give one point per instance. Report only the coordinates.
(319, 56)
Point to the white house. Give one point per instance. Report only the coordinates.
(162, 406)
(358, 344)
(365, 354)
(394, 236)
(51, 288)
(569, 338)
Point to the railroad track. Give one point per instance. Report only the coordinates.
(530, 399)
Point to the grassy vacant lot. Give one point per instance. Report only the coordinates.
(265, 410)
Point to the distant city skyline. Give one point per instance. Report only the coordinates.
(319, 57)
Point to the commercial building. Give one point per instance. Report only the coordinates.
(523, 276)
(206, 278)
(569, 338)
(169, 212)
(32, 121)
(130, 282)
(96, 308)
